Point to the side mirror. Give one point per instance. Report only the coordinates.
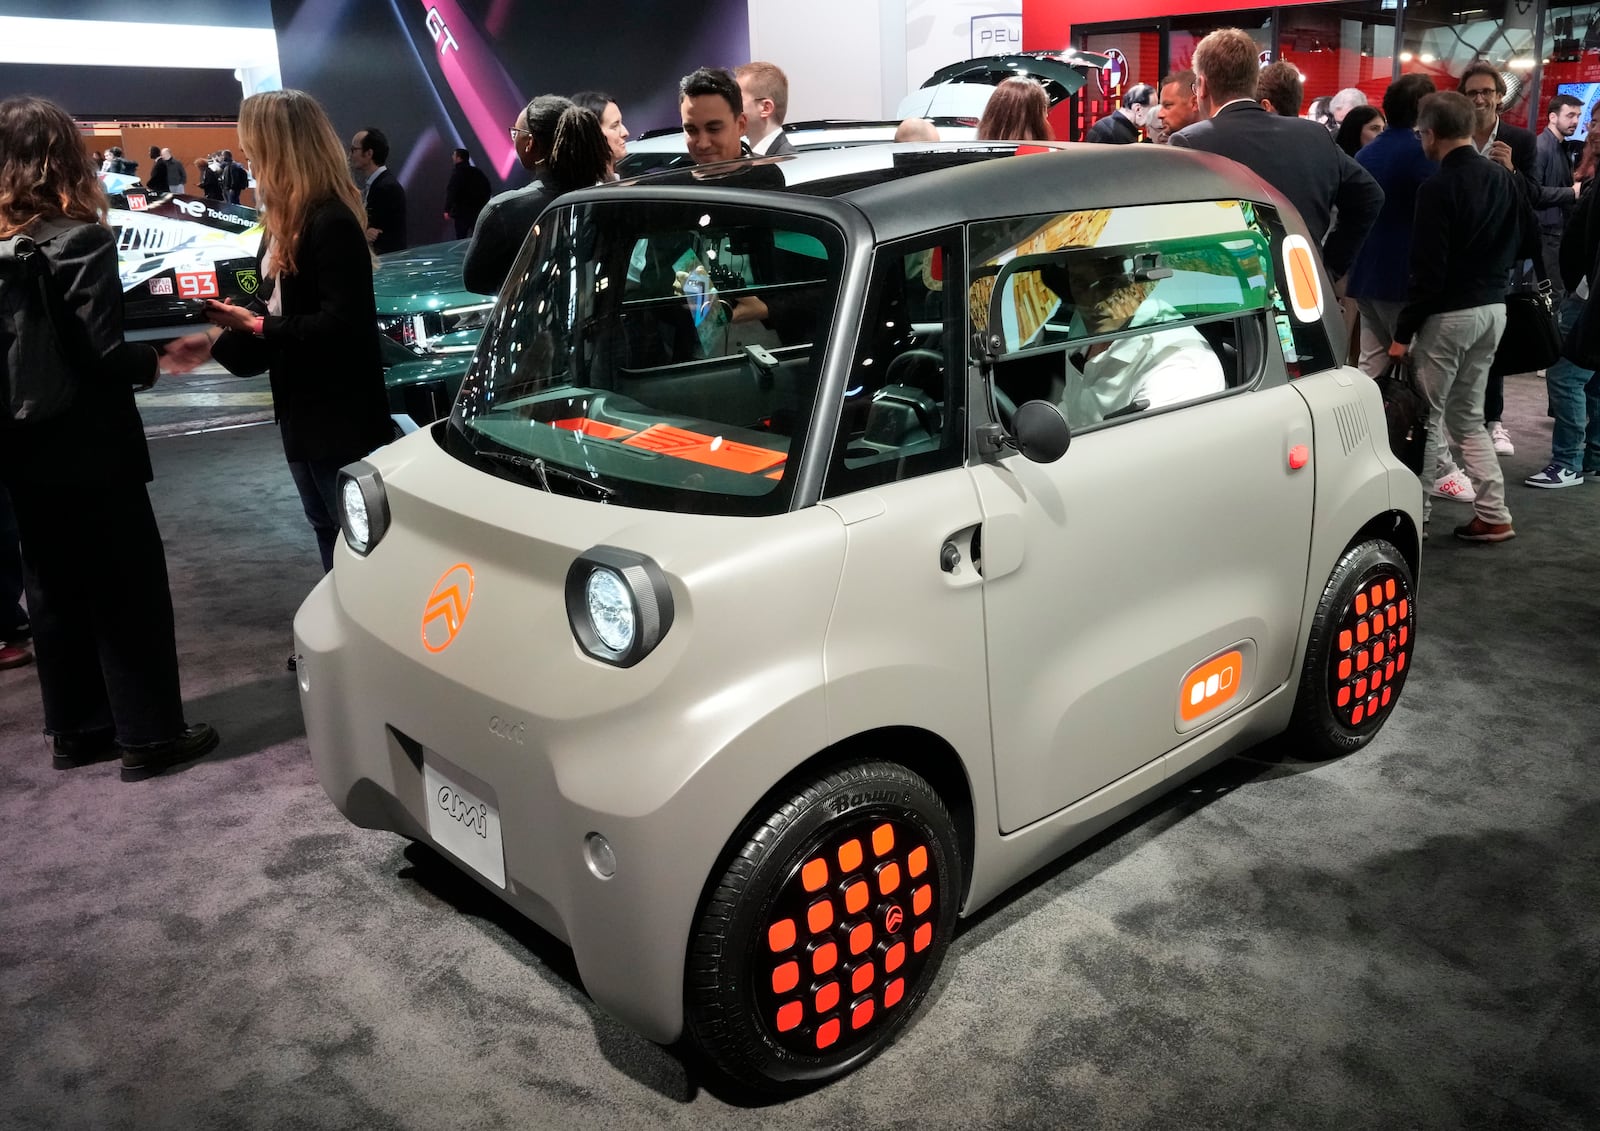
(1040, 432)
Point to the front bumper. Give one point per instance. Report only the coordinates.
(667, 799)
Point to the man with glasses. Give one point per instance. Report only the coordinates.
(1513, 147)
(382, 191)
(1139, 372)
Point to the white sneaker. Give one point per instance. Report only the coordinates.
(1455, 486)
(1501, 439)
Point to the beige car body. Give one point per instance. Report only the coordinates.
(1035, 682)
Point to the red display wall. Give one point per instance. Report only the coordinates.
(1047, 24)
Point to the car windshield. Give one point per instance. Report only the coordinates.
(655, 354)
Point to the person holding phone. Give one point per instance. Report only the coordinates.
(318, 335)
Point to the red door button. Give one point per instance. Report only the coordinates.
(1299, 456)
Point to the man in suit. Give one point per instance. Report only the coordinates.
(384, 195)
(466, 194)
(1294, 156)
(1122, 125)
(1513, 147)
(766, 104)
(1280, 88)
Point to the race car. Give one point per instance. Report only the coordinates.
(819, 546)
(174, 250)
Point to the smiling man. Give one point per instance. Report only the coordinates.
(713, 115)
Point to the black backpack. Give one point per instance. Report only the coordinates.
(36, 335)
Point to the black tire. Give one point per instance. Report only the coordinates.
(1339, 708)
(758, 1004)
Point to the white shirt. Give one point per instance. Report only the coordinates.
(1483, 150)
(759, 148)
(376, 173)
(1164, 367)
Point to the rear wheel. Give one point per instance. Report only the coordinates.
(825, 929)
(1358, 653)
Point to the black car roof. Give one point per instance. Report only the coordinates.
(904, 189)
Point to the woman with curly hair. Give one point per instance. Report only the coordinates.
(318, 334)
(1017, 111)
(73, 458)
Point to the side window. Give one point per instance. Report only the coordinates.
(904, 403)
(1112, 313)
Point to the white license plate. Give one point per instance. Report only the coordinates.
(463, 818)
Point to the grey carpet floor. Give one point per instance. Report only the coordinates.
(1405, 938)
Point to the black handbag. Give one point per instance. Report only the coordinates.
(1532, 339)
(1406, 410)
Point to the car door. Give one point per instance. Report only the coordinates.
(905, 646)
(1149, 582)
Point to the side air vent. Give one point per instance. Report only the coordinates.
(1352, 424)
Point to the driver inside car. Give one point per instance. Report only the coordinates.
(1137, 372)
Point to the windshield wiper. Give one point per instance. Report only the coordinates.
(543, 473)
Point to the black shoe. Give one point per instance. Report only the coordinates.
(74, 750)
(19, 634)
(140, 762)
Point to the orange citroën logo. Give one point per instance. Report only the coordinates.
(446, 610)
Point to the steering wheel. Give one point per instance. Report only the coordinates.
(915, 367)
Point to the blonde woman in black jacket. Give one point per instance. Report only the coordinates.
(73, 457)
(319, 335)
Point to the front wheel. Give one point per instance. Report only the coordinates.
(825, 929)
(1358, 653)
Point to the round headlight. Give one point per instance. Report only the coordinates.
(619, 604)
(357, 524)
(610, 609)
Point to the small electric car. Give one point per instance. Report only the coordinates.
(820, 544)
